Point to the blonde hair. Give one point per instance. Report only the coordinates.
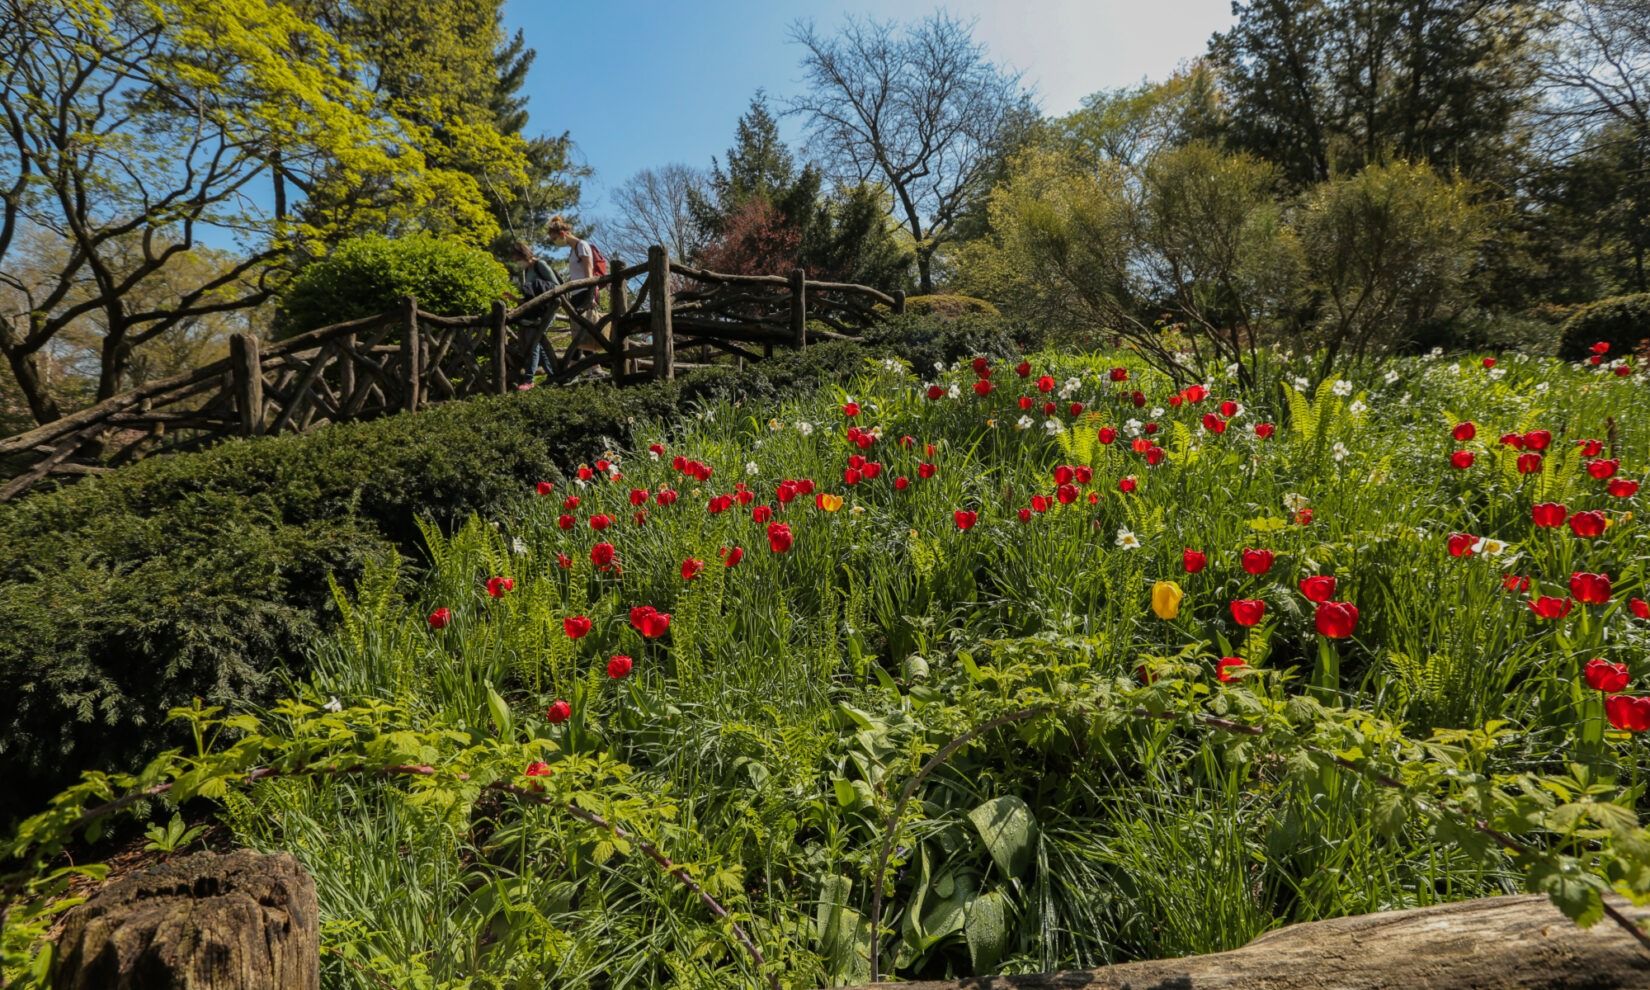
(559, 225)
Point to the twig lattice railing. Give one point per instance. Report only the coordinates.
(406, 359)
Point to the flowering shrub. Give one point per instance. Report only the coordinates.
(967, 723)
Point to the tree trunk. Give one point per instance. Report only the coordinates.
(1497, 943)
(925, 272)
(28, 368)
(241, 921)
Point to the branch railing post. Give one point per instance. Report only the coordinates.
(247, 372)
(658, 319)
(899, 301)
(501, 349)
(411, 352)
(615, 309)
(799, 308)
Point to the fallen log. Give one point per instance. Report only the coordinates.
(241, 921)
(1497, 943)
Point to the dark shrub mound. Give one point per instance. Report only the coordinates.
(1622, 321)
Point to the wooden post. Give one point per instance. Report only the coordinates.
(247, 372)
(799, 308)
(501, 350)
(615, 308)
(411, 352)
(659, 303)
(899, 301)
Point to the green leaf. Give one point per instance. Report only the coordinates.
(500, 710)
(1009, 830)
(987, 930)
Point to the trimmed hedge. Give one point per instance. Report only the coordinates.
(949, 305)
(1623, 321)
(196, 574)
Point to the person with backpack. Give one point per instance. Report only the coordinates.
(536, 278)
(584, 260)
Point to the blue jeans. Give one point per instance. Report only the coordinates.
(537, 359)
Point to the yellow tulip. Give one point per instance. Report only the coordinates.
(830, 503)
(1166, 597)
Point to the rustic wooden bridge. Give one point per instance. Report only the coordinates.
(407, 359)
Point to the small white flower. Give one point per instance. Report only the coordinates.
(804, 427)
(1157, 413)
(1342, 387)
(892, 364)
(1340, 451)
(1435, 352)
(1295, 501)
(1070, 388)
(775, 425)
(1405, 400)
(751, 468)
(1496, 374)
(955, 391)
(1132, 427)
(939, 366)
(1054, 428)
(654, 454)
(1391, 377)
(518, 546)
(1489, 547)
(1301, 383)
(1023, 423)
(1540, 387)
(334, 705)
(1357, 407)
(1232, 370)
(1127, 540)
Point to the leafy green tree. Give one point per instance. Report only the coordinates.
(143, 122)
(1129, 124)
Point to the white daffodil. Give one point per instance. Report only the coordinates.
(334, 705)
(1053, 427)
(1489, 547)
(955, 391)
(1342, 387)
(1340, 451)
(1357, 407)
(804, 427)
(1024, 423)
(1391, 377)
(1127, 540)
(751, 468)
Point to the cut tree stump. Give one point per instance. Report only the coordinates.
(241, 921)
(1497, 943)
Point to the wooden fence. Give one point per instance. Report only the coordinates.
(407, 359)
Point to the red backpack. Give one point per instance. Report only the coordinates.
(598, 261)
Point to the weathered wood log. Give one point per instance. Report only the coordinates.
(241, 921)
(1497, 943)
(411, 351)
(501, 348)
(659, 322)
(248, 370)
(799, 308)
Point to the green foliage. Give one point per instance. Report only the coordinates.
(1623, 322)
(365, 276)
(207, 574)
(949, 306)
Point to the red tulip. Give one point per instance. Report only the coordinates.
(656, 449)
(691, 568)
(1529, 463)
(981, 366)
(1336, 620)
(564, 561)
(1045, 384)
(1622, 488)
(1590, 448)
(1639, 607)
(1547, 607)
(850, 476)
(1119, 374)
(1195, 393)
(1628, 713)
(1548, 515)
(982, 387)
(1139, 399)
(925, 470)
(1265, 430)
(1460, 544)
(1461, 460)
(1026, 402)
(1488, 362)
(964, 518)
(762, 513)
(600, 522)
(731, 556)
(666, 496)
(1127, 484)
(779, 537)
(1588, 525)
(1602, 675)
(639, 496)
(440, 618)
(1248, 611)
(1048, 408)
(1257, 561)
(1303, 517)
(538, 768)
(1154, 456)
(1107, 434)
(850, 409)
(901, 483)
(1464, 431)
(649, 621)
(1041, 503)
(1228, 408)
(1064, 473)
(1537, 440)
(1601, 347)
(639, 517)
(935, 392)
(1318, 589)
(566, 521)
(1023, 369)
(576, 626)
(558, 712)
(1623, 370)
(1193, 560)
(497, 586)
(544, 487)
(719, 504)
(1024, 514)
(1213, 423)
(1150, 428)
(1074, 410)
(619, 667)
(601, 554)
(1066, 494)
(1513, 440)
(1084, 474)
(1224, 668)
(1603, 469)
(1590, 589)
(1514, 582)
(585, 474)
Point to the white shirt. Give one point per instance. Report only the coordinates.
(578, 260)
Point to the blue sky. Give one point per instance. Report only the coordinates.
(648, 82)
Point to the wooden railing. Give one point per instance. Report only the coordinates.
(407, 359)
